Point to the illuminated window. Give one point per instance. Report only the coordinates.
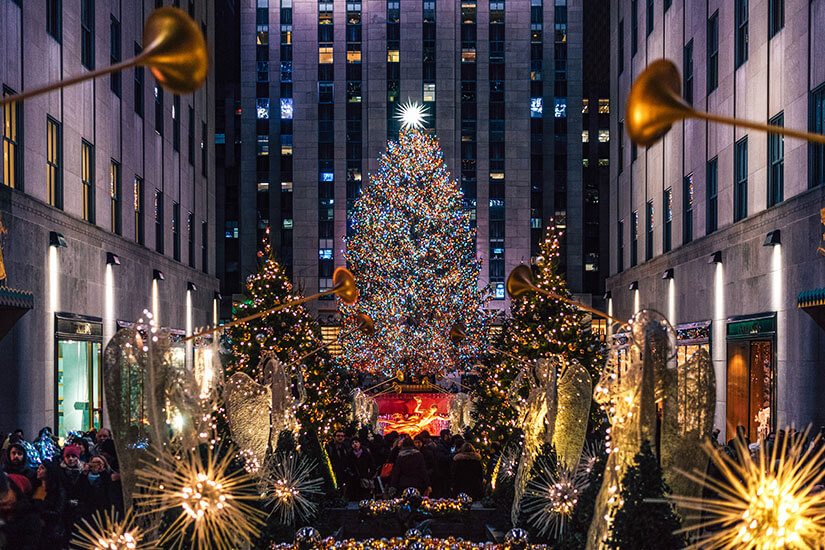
(604, 162)
(393, 56)
(585, 106)
(324, 253)
(468, 55)
(115, 194)
(288, 223)
(263, 186)
(536, 107)
(585, 162)
(327, 176)
(263, 144)
(286, 108)
(604, 106)
(325, 54)
(604, 135)
(54, 160)
(354, 56)
(585, 136)
(429, 91)
(263, 35)
(263, 108)
(560, 108)
(12, 112)
(87, 177)
(231, 230)
(286, 186)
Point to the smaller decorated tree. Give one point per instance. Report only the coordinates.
(289, 333)
(645, 520)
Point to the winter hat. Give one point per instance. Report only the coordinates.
(22, 483)
(71, 450)
(19, 447)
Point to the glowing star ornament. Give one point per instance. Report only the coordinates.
(214, 501)
(108, 532)
(289, 486)
(412, 115)
(551, 497)
(769, 502)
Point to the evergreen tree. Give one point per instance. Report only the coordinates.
(289, 333)
(412, 253)
(644, 520)
(539, 327)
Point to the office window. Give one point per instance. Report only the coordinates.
(740, 179)
(138, 197)
(776, 163)
(713, 51)
(114, 54)
(204, 149)
(116, 195)
(620, 53)
(54, 19)
(604, 135)
(191, 135)
(776, 16)
(687, 68)
(741, 53)
(649, 230)
(87, 179)
(429, 91)
(176, 122)
(12, 152)
(634, 237)
(585, 136)
(190, 231)
(54, 162)
(816, 153)
(650, 13)
(159, 220)
(138, 85)
(712, 195)
(204, 247)
(176, 231)
(687, 209)
(667, 208)
(620, 247)
(87, 34)
(158, 109)
(604, 106)
(634, 26)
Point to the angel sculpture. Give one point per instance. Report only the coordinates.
(364, 410)
(258, 413)
(461, 409)
(641, 378)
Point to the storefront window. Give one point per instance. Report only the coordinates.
(79, 386)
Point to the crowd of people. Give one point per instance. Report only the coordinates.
(46, 489)
(367, 465)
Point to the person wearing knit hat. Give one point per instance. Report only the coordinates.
(71, 469)
(20, 520)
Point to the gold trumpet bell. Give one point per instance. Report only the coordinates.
(365, 323)
(655, 103)
(520, 281)
(457, 333)
(174, 50)
(343, 283)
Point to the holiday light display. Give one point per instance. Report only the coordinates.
(288, 334)
(215, 503)
(288, 485)
(429, 506)
(108, 532)
(551, 497)
(771, 501)
(401, 543)
(413, 256)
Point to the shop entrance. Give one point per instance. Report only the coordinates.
(78, 346)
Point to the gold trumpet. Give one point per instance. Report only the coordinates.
(175, 52)
(655, 103)
(343, 286)
(520, 281)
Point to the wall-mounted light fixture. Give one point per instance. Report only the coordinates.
(57, 239)
(633, 286)
(715, 258)
(112, 259)
(607, 295)
(773, 238)
(191, 286)
(668, 274)
(218, 296)
(157, 275)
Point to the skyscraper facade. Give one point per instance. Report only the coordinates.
(318, 90)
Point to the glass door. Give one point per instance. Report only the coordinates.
(749, 383)
(79, 386)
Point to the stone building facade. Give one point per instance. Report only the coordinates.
(716, 226)
(108, 200)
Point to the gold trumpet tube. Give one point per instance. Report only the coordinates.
(655, 103)
(175, 52)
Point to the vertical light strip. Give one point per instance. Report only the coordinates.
(189, 348)
(718, 348)
(54, 273)
(610, 313)
(636, 301)
(109, 303)
(671, 301)
(214, 312)
(777, 305)
(155, 303)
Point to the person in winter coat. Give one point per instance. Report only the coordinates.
(97, 491)
(339, 455)
(17, 462)
(49, 497)
(362, 470)
(467, 474)
(71, 469)
(19, 521)
(410, 469)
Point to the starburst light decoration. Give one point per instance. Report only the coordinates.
(214, 500)
(765, 502)
(109, 532)
(412, 115)
(551, 497)
(288, 485)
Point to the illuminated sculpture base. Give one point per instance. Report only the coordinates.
(412, 413)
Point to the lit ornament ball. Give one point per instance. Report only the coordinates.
(260, 337)
(413, 534)
(412, 496)
(516, 539)
(464, 498)
(307, 538)
(416, 545)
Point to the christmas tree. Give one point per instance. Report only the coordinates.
(289, 333)
(413, 257)
(644, 519)
(539, 327)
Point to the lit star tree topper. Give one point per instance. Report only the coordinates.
(412, 252)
